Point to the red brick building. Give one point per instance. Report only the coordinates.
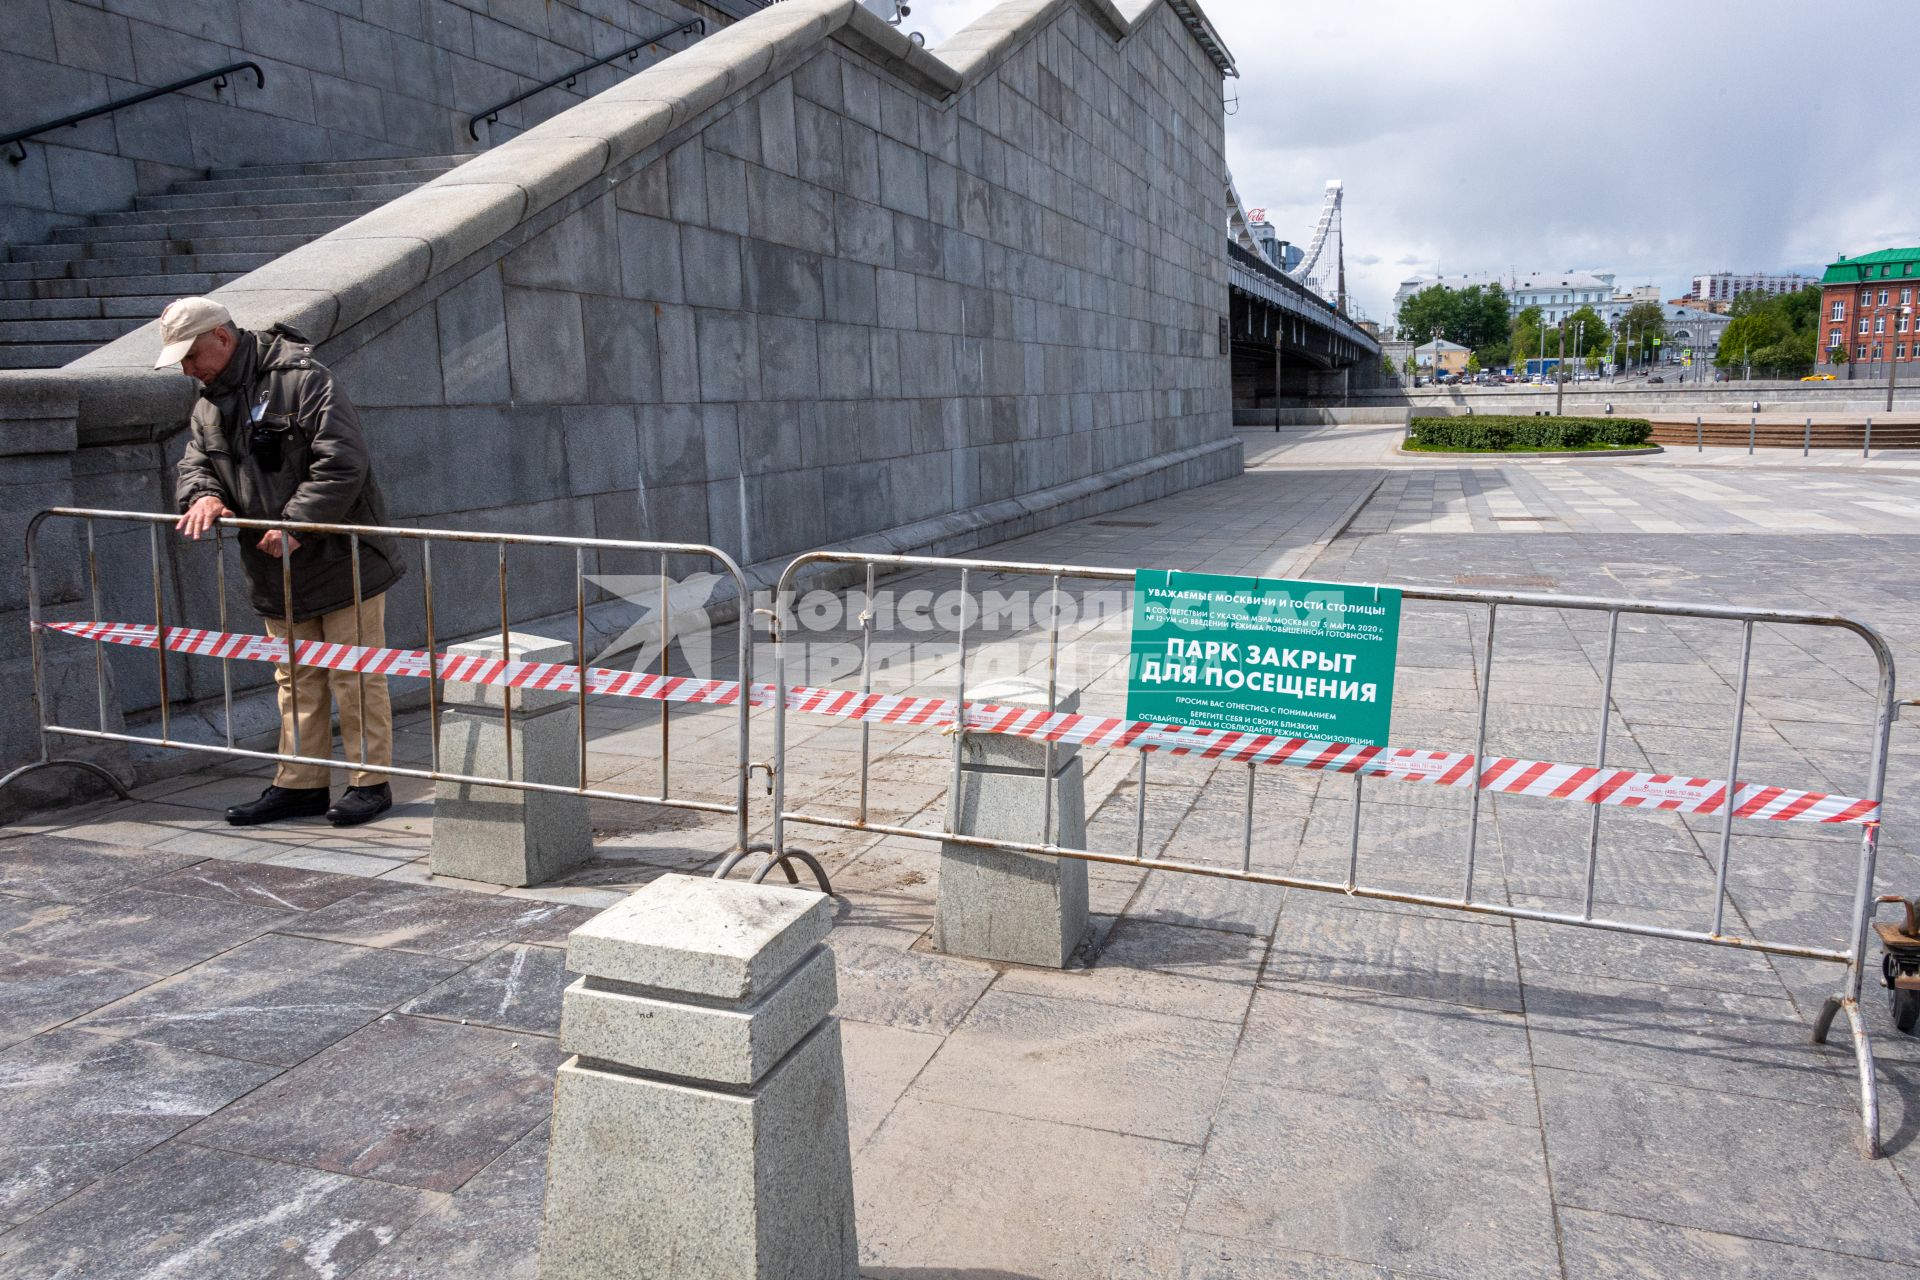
(1869, 310)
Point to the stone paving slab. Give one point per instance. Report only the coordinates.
(439, 921)
(1075, 1204)
(57, 869)
(183, 1210)
(1662, 1152)
(44, 991)
(80, 1105)
(492, 1228)
(1231, 1082)
(406, 1100)
(517, 988)
(1387, 1184)
(1097, 1066)
(273, 999)
(134, 928)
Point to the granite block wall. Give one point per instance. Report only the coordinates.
(346, 80)
(803, 286)
(840, 300)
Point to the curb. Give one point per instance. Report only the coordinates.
(1405, 452)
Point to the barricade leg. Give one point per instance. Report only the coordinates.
(502, 835)
(999, 905)
(700, 1130)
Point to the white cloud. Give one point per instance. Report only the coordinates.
(1648, 138)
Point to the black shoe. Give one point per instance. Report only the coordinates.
(276, 803)
(361, 804)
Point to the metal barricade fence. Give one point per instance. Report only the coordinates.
(165, 636)
(1476, 772)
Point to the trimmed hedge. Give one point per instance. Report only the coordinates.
(1497, 431)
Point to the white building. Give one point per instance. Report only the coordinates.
(1725, 286)
(1558, 294)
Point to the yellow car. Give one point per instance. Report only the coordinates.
(1818, 377)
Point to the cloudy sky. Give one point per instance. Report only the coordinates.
(1653, 140)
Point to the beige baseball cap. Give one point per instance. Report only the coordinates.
(184, 320)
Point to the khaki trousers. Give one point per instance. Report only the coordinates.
(308, 706)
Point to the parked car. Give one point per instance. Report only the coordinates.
(1654, 377)
(1818, 377)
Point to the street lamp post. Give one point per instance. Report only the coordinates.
(1560, 373)
(1893, 365)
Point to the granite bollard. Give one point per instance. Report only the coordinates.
(700, 1129)
(997, 905)
(502, 835)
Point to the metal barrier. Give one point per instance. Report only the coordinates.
(434, 660)
(1853, 956)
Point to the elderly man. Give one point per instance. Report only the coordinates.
(273, 437)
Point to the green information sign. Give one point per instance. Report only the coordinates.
(1263, 655)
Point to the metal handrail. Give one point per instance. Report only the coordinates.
(218, 75)
(492, 114)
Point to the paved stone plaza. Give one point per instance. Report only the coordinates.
(281, 1052)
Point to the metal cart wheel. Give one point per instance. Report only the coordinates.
(1906, 1009)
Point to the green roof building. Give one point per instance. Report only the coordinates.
(1869, 313)
(1887, 264)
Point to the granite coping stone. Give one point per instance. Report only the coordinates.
(727, 1046)
(721, 940)
(520, 646)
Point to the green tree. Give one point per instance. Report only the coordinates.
(1485, 316)
(1523, 344)
(1776, 335)
(1752, 334)
(1586, 327)
(1644, 322)
(1474, 317)
(1409, 366)
(1473, 362)
(1425, 311)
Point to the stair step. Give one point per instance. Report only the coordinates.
(94, 332)
(302, 181)
(256, 199)
(306, 226)
(109, 286)
(162, 248)
(201, 221)
(135, 265)
(322, 167)
(45, 252)
(44, 355)
(90, 284)
(135, 306)
(51, 309)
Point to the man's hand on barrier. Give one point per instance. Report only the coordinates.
(201, 515)
(273, 540)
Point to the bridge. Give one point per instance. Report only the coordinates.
(1288, 332)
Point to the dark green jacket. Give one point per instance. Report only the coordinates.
(274, 398)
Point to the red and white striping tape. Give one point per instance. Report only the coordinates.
(1505, 774)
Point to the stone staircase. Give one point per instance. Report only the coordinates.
(92, 283)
